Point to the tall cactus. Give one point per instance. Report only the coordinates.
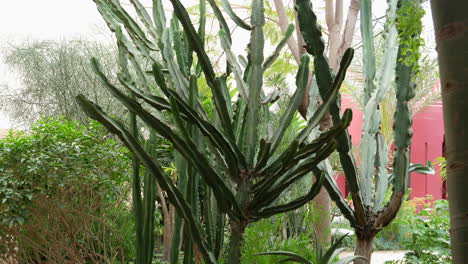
(225, 167)
(369, 183)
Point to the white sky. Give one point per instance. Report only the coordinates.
(59, 19)
(43, 19)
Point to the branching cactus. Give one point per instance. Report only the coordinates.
(370, 183)
(225, 166)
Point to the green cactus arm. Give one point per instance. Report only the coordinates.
(335, 194)
(159, 17)
(179, 81)
(197, 46)
(285, 120)
(159, 103)
(149, 200)
(145, 18)
(254, 80)
(330, 97)
(277, 183)
(188, 149)
(133, 57)
(241, 85)
(239, 21)
(417, 168)
(329, 135)
(180, 125)
(315, 46)
(271, 59)
(235, 159)
(130, 24)
(226, 97)
(293, 154)
(136, 179)
(243, 60)
(368, 49)
(113, 23)
(327, 257)
(174, 195)
(285, 157)
(402, 132)
(329, 100)
(292, 205)
(381, 176)
(263, 154)
(372, 118)
(219, 16)
(180, 47)
(185, 147)
(368, 152)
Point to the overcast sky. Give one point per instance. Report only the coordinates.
(59, 19)
(43, 19)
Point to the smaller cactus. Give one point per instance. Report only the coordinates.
(368, 187)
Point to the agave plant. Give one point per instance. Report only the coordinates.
(327, 257)
(369, 184)
(225, 167)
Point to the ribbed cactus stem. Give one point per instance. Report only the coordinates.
(254, 79)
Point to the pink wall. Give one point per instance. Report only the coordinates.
(428, 133)
(428, 136)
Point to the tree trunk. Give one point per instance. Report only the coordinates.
(451, 32)
(168, 211)
(364, 247)
(235, 243)
(322, 224)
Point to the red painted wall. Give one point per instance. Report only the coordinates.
(428, 135)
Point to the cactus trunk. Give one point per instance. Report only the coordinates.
(235, 242)
(364, 247)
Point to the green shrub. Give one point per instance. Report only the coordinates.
(268, 235)
(54, 154)
(63, 195)
(429, 239)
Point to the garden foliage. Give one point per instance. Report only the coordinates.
(62, 193)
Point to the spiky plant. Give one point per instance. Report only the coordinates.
(370, 183)
(224, 166)
(321, 257)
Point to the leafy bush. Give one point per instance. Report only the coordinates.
(54, 155)
(429, 239)
(267, 235)
(63, 195)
